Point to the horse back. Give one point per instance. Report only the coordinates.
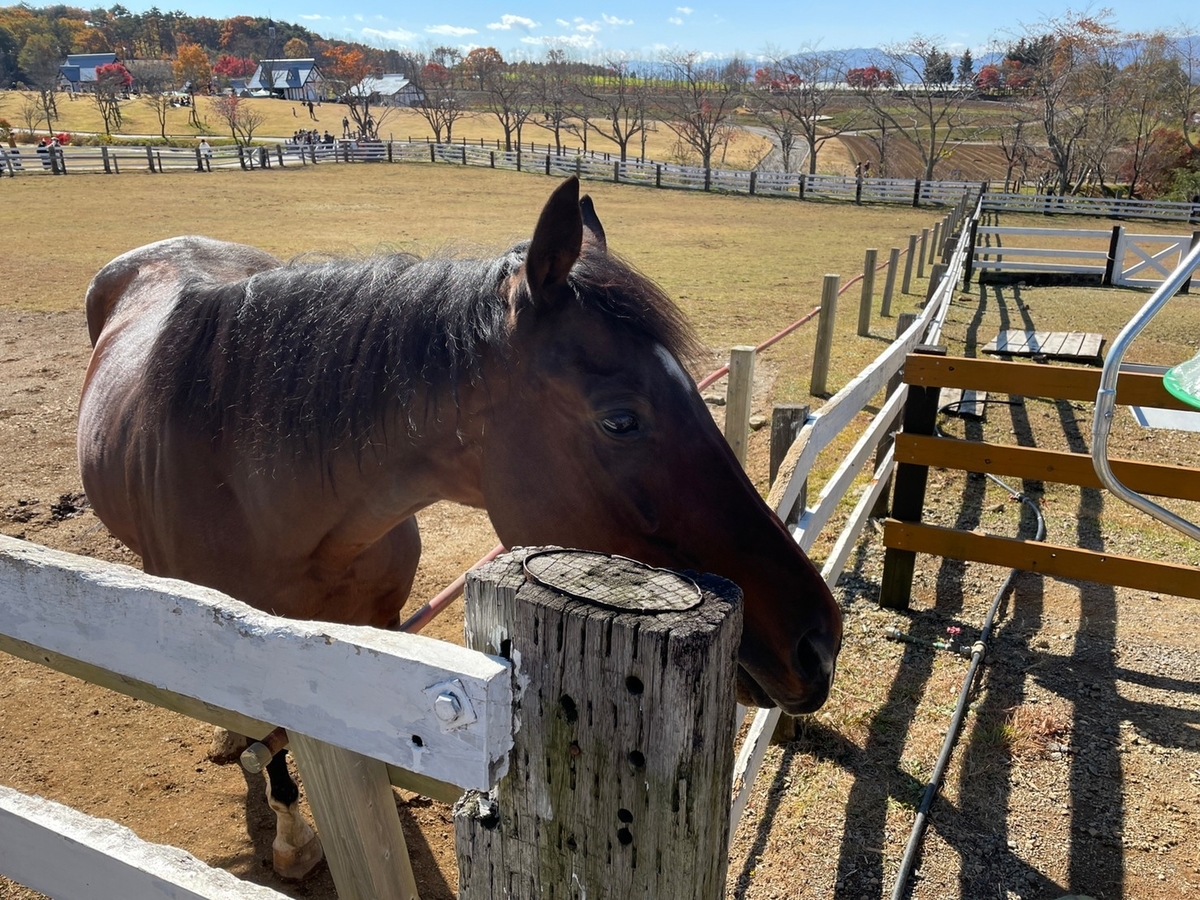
(156, 271)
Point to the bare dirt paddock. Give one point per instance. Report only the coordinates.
(1079, 770)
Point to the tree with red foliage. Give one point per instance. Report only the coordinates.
(870, 77)
(988, 79)
(229, 67)
(113, 82)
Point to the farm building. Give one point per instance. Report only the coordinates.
(387, 90)
(291, 79)
(78, 73)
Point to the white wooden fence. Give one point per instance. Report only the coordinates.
(1110, 256)
(360, 706)
(820, 430)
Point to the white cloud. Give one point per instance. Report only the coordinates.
(577, 41)
(450, 30)
(614, 20)
(675, 20)
(399, 35)
(562, 23)
(508, 22)
(686, 10)
(317, 17)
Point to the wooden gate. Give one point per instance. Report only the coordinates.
(917, 449)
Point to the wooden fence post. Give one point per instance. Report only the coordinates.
(868, 293)
(908, 264)
(825, 323)
(889, 283)
(969, 262)
(150, 157)
(916, 193)
(738, 391)
(921, 255)
(108, 165)
(355, 810)
(904, 322)
(279, 154)
(753, 181)
(786, 421)
(1111, 263)
(920, 417)
(935, 242)
(621, 770)
(1187, 285)
(935, 279)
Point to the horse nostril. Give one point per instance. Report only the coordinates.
(814, 657)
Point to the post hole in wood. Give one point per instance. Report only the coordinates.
(625, 816)
(634, 685)
(637, 758)
(417, 742)
(624, 836)
(569, 710)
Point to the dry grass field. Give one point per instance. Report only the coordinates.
(1079, 769)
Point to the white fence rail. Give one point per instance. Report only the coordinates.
(343, 693)
(1110, 257)
(819, 431)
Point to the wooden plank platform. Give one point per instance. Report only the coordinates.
(1071, 345)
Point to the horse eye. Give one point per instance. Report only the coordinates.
(620, 423)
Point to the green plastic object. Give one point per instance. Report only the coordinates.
(1183, 381)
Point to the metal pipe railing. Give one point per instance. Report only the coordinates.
(1106, 397)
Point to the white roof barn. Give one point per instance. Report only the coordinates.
(387, 90)
(292, 79)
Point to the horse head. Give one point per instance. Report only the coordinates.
(601, 441)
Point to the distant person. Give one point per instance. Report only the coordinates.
(311, 114)
(43, 149)
(205, 156)
(345, 127)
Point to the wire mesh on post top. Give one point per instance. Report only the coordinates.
(614, 582)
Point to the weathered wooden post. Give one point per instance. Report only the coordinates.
(936, 242)
(921, 255)
(622, 762)
(904, 321)
(889, 283)
(908, 264)
(738, 392)
(825, 324)
(787, 420)
(868, 293)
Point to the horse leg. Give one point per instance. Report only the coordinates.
(296, 849)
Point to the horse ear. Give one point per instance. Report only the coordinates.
(557, 240)
(593, 231)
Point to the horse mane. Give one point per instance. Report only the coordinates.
(308, 357)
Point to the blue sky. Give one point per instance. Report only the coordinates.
(643, 27)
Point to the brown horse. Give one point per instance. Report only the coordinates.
(271, 429)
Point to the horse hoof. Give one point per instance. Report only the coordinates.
(226, 747)
(293, 864)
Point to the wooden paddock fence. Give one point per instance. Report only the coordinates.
(917, 448)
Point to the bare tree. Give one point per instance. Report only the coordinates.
(1062, 58)
(510, 98)
(554, 92)
(39, 60)
(796, 93)
(617, 103)
(922, 102)
(154, 80)
(1017, 150)
(438, 102)
(242, 118)
(1184, 86)
(698, 103)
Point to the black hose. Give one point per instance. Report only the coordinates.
(978, 651)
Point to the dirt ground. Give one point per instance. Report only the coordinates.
(1078, 771)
